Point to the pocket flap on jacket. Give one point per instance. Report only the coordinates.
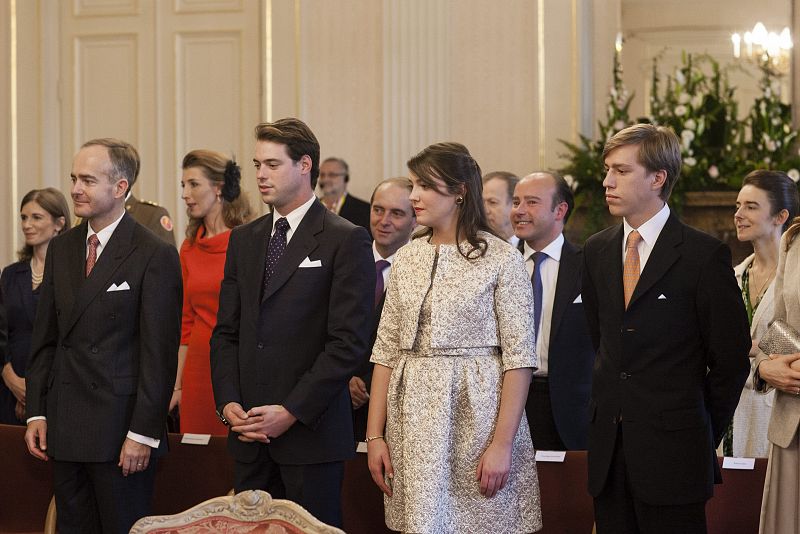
(683, 418)
(124, 385)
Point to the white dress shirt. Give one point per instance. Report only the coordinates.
(514, 240)
(549, 267)
(649, 232)
(294, 218)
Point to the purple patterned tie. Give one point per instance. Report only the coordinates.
(380, 266)
(277, 244)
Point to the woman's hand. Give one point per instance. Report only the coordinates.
(175, 400)
(493, 468)
(380, 465)
(781, 372)
(14, 382)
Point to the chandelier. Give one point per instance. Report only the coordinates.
(762, 46)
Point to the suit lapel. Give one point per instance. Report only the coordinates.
(663, 255)
(611, 266)
(119, 247)
(302, 243)
(568, 269)
(256, 264)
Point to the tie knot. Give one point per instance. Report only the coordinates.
(633, 239)
(282, 225)
(381, 265)
(94, 240)
(538, 258)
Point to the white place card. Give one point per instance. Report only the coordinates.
(362, 447)
(551, 456)
(747, 464)
(196, 439)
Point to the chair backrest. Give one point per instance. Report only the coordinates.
(27, 483)
(252, 512)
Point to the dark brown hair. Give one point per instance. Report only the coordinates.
(224, 172)
(124, 158)
(780, 189)
(453, 164)
(509, 178)
(53, 202)
(299, 140)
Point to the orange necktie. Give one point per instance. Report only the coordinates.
(630, 271)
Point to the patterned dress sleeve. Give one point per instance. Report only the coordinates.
(386, 349)
(513, 302)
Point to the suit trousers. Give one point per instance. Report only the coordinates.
(618, 511)
(539, 411)
(96, 498)
(315, 487)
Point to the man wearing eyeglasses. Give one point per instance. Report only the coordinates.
(334, 174)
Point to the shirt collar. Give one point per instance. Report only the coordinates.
(649, 230)
(295, 216)
(105, 234)
(378, 257)
(553, 250)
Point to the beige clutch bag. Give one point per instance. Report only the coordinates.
(780, 339)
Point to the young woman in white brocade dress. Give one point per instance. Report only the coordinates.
(447, 443)
(764, 207)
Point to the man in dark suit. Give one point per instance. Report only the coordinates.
(392, 221)
(334, 174)
(104, 350)
(293, 326)
(669, 324)
(558, 399)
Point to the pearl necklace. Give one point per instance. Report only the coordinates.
(36, 278)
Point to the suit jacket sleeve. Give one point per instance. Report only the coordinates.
(589, 297)
(159, 336)
(44, 339)
(349, 321)
(726, 336)
(5, 357)
(225, 337)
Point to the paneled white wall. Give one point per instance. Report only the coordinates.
(377, 80)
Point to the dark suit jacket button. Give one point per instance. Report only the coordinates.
(623, 376)
(113, 316)
(260, 345)
(65, 346)
(93, 385)
(94, 350)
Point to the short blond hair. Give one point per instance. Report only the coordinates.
(659, 149)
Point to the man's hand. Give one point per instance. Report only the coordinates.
(14, 382)
(358, 392)
(237, 417)
(19, 411)
(265, 422)
(781, 372)
(134, 457)
(36, 439)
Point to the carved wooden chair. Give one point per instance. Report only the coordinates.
(249, 512)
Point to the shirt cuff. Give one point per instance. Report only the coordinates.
(36, 418)
(144, 440)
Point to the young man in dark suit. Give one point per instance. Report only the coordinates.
(669, 324)
(558, 399)
(334, 175)
(392, 221)
(292, 328)
(104, 350)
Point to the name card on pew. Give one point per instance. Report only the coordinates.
(362, 447)
(196, 439)
(747, 464)
(551, 456)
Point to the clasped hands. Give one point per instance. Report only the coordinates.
(260, 423)
(782, 371)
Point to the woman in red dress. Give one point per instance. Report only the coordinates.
(215, 204)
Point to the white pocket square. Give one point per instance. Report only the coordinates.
(122, 287)
(578, 299)
(662, 297)
(308, 262)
